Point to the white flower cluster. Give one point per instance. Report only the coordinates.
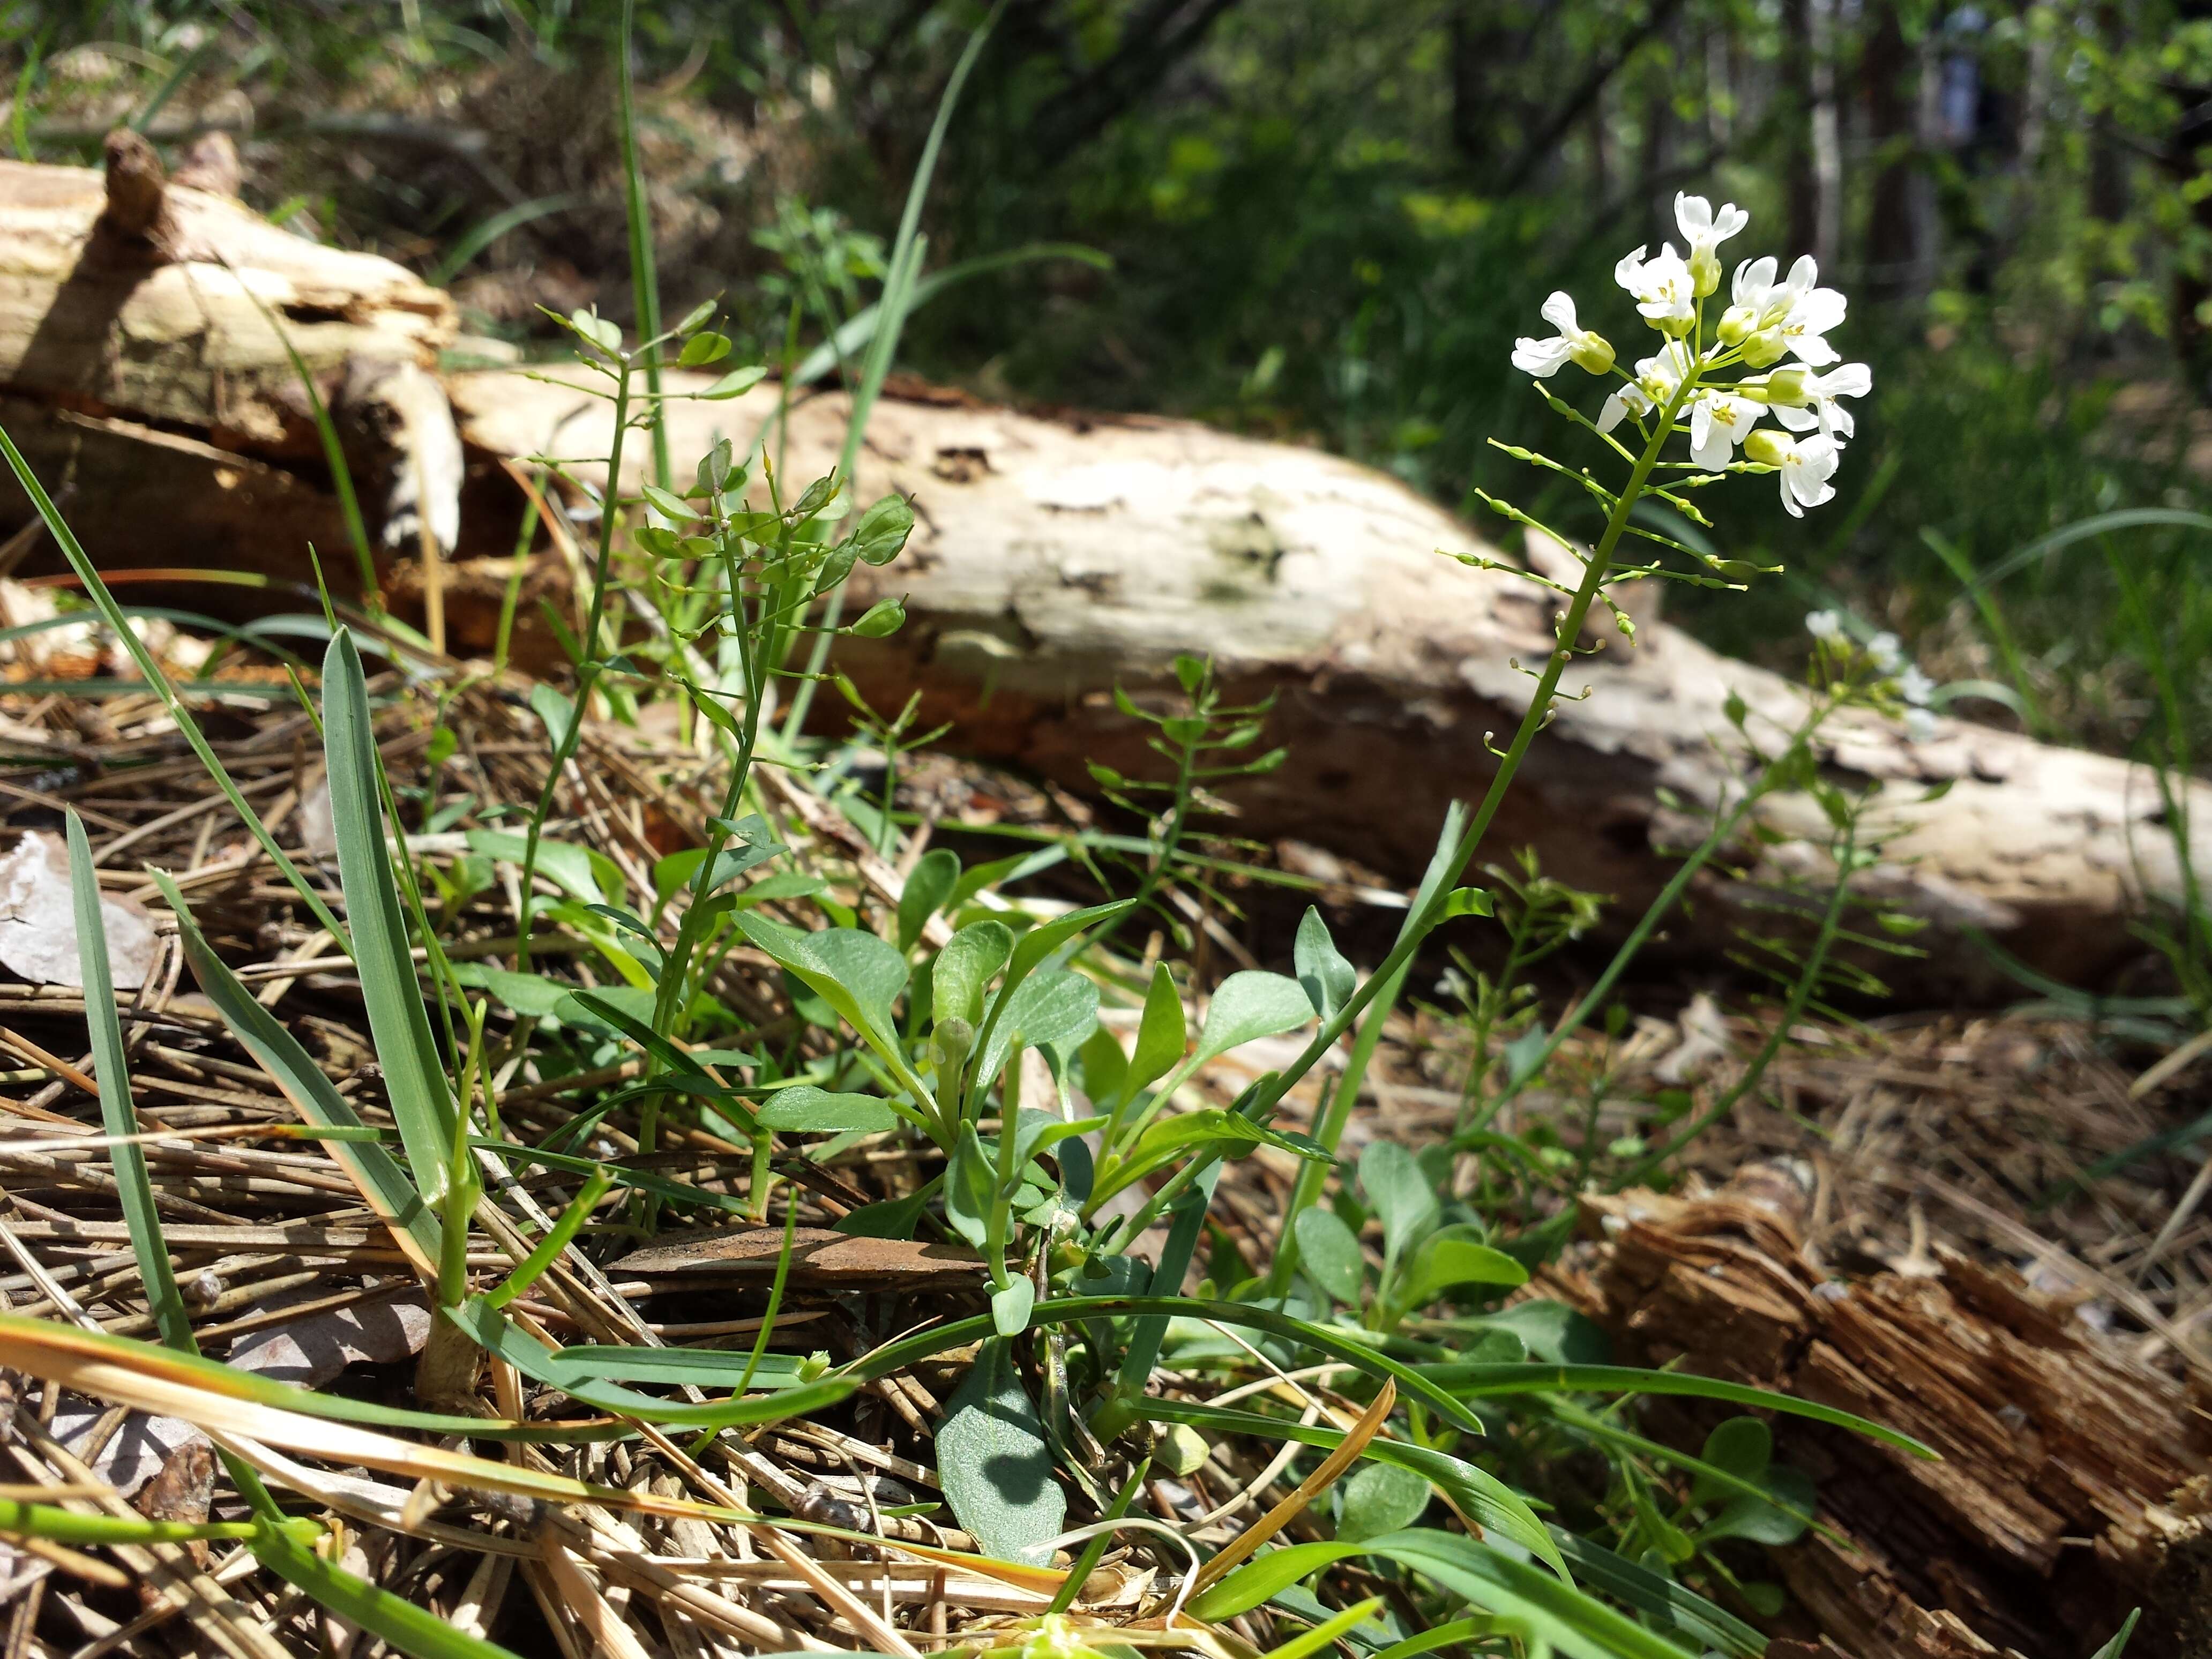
(1886, 654)
(1689, 379)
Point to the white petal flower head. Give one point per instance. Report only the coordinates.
(1806, 464)
(1657, 381)
(1826, 626)
(1705, 230)
(1573, 344)
(1802, 402)
(1915, 687)
(1625, 400)
(1662, 285)
(1885, 651)
(1811, 311)
(1718, 424)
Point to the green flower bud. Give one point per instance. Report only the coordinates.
(1765, 348)
(1676, 328)
(1766, 446)
(1704, 274)
(1592, 352)
(1736, 323)
(1789, 388)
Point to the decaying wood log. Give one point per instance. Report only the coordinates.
(144, 373)
(1054, 559)
(2074, 1483)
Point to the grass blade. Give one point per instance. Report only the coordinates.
(414, 1073)
(132, 1184)
(383, 1185)
(158, 682)
(410, 1629)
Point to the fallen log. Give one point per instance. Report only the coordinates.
(145, 372)
(2074, 1484)
(1055, 559)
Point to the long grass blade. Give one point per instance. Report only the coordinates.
(132, 1184)
(411, 1630)
(414, 1072)
(157, 681)
(383, 1184)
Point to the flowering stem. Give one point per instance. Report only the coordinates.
(1422, 923)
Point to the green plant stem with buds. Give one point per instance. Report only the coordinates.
(1423, 921)
(587, 669)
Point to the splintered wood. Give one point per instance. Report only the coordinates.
(2073, 1478)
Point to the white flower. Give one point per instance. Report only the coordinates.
(1826, 626)
(1885, 651)
(1915, 687)
(1656, 381)
(1573, 343)
(1717, 424)
(1806, 466)
(1812, 398)
(1705, 231)
(1813, 312)
(1664, 291)
(1919, 725)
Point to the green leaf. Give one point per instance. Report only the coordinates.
(134, 1187)
(806, 1109)
(1488, 1500)
(1329, 1254)
(1480, 1382)
(382, 1183)
(1760, 1522)
(737, 382)
(399, 1021)
(1161, 1034)
(926, 892)
(411, 1630)
(1451, 1258)
(1249, 1005)
(703, 349)
(1009, 1307)
(971, 958)
(879, 621)
(1400, 1194)
(995, 1464)
(668, 504)
(531, 995)
(970, 1188)
(2119, 1645)
(883, 530)
(1328, 978)
(856, 972)
(1658, 1596)
(1380, 1499)
(574, 870)
(1030, 952)
(1172, 1139)
(1104, 1068)
(1057, 1010)
(1744, 1446)
(1467, 902)
(1569, 1620)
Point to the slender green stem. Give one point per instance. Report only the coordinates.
(1419, 926)
(1661, 908)
(587, 669)
(1801, 993)
(1330, 1130)
(644, 280)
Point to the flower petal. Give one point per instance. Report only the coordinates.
(1560, 311)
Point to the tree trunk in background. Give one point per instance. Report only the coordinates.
(1491, 44)
(1889, 73)
(1816, 171)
